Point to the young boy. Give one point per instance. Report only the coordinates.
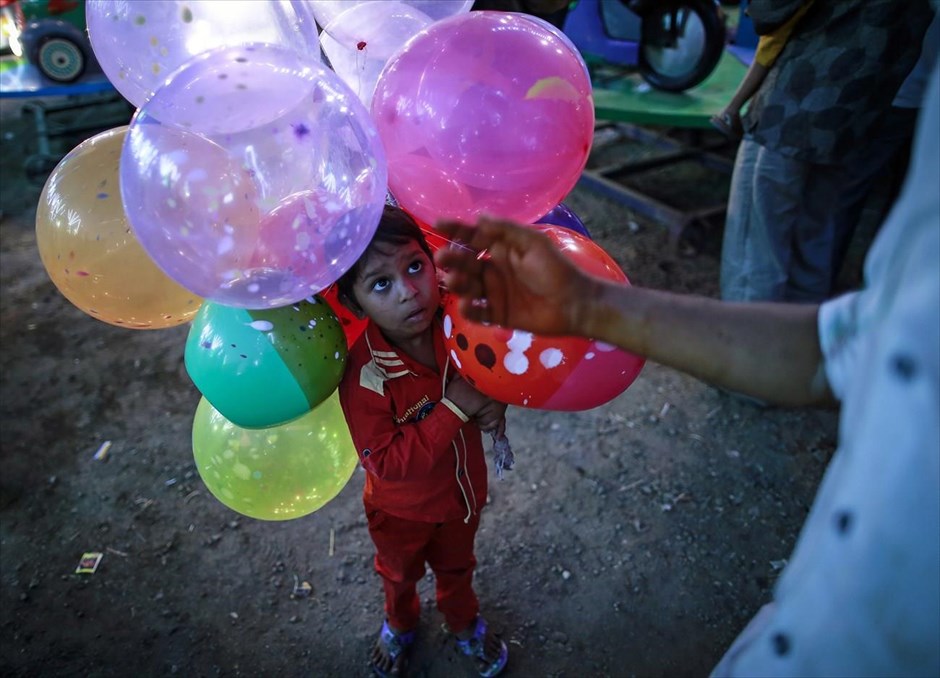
(416, 425)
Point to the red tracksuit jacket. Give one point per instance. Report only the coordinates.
(408, 436)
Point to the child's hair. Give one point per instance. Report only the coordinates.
(395, 227)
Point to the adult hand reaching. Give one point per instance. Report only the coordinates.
(768, 351)
(521, 280)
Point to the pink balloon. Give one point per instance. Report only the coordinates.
(493, 101)
(431, 189)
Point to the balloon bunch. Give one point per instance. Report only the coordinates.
(267, 139)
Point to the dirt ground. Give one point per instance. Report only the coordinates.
(633, 539)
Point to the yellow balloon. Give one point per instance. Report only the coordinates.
(276, 473)
(91, 253)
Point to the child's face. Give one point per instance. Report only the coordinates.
(397, 289)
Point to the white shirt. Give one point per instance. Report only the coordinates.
(861, 595)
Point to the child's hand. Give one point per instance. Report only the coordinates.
(492, 418)
(463, 395)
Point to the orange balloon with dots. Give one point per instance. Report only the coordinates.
(551, 373)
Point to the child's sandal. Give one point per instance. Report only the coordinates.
(475, 646)
(396, 647)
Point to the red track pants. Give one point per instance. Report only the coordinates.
(402, 549)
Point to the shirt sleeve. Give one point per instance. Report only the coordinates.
(770, 45)
(838, 325)
(769, 15)
(394, 451)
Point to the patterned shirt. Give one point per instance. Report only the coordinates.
(836, 76)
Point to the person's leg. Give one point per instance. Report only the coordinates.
(763, 209)
(809, 276)
(878, 170)
(740, 203)
(399, 560)
(832, 207)
(451, 557)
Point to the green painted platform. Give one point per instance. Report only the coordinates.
(623, 96)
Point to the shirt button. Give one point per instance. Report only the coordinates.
(904, 366)
(460, 473)
(843, 520)
(781, 644)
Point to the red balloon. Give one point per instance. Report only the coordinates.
(353, 326)
(549, 373)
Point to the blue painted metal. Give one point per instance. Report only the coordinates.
(604, 29)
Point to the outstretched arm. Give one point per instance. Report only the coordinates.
(769, 351)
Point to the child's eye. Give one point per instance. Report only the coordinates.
(380, 284)
(415, 266)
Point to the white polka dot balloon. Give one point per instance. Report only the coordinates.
(548, 373)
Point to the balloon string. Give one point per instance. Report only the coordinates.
(453, 244)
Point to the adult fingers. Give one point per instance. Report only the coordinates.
(488, 232)
(462, 276)
(475, 310)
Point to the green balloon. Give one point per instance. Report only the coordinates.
(261, 368)
(278, 473)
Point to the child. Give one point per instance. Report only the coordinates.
(769, 46)
(416, 425)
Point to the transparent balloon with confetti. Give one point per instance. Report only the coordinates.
(253, 177)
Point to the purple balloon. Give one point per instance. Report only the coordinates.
(327, 11)
(561, 215)
(139, 44)
(253, 177)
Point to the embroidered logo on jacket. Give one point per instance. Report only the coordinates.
(424, 411)
(420, 410)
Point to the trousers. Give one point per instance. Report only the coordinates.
(789, 221)
(779, 238)
(403, 547)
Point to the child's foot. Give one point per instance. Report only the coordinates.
(390, 653)
(729, 124)
(490, 653)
